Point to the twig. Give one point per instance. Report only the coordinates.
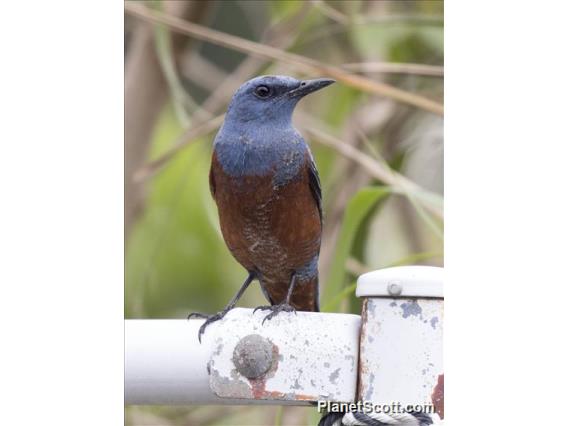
(355, 267)
(395, 68)
(145, 91)
(328, 30)
(307, 64)
(202, 121)
(184, 140)
(164, 51)
(203, 72)
(377, 169)
(331, 12)
(279, 34)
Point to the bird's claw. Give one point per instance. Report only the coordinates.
(197, 315)
(209, 320)
(262, 308)
(276, 309)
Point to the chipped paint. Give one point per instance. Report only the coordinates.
(333, 376)
(401, 349)
(370, 388)
(433, 322)
(411, 308)
(351, 359)
(300, 345)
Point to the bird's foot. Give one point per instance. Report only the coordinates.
(209, 319)
(276, 309)
(262, 308)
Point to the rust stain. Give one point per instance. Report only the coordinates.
(264, 394)
(258, 386)
(438, 396)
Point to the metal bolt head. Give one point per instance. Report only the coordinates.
(394, 288)
(253, 356)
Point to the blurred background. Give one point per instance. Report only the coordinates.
(376, 135)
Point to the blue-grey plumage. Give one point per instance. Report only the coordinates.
(257, 135)
(266, 186)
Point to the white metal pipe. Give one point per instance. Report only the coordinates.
(315, 358)
(165, 364)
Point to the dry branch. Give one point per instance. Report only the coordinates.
(395, 68)
(306, 64)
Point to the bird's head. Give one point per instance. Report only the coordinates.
(270, 99)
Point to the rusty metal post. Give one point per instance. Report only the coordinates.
(401, 337)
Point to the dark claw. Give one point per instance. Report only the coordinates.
(276, 309)
(262, 308)
(197, 315)
(210, 319)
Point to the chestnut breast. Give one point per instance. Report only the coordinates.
(269, 226)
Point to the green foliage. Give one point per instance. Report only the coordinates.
(357, 210)
(284, 8)
(401, 41)
(176, 255)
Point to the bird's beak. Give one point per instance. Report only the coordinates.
(309, 86)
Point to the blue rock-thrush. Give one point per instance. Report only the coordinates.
(267, 189)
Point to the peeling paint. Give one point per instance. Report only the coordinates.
(298, 371)
(333, 376)
(370, 388)
(411, 308)
(372, 308)
(219, 347)
(400, 349)
(235, 387)
(352, 359)
(433, 322)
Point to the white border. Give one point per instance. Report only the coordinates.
(61, 233)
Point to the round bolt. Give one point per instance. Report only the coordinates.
(253, 356)
(394, 288)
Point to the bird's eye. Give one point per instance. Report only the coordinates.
(262, 92)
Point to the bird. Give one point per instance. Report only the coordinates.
(265, 183)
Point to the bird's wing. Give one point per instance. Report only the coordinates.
(212, 181)
(315, 184)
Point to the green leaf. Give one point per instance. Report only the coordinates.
(357, 209)
(350, 289)
(336, 300)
